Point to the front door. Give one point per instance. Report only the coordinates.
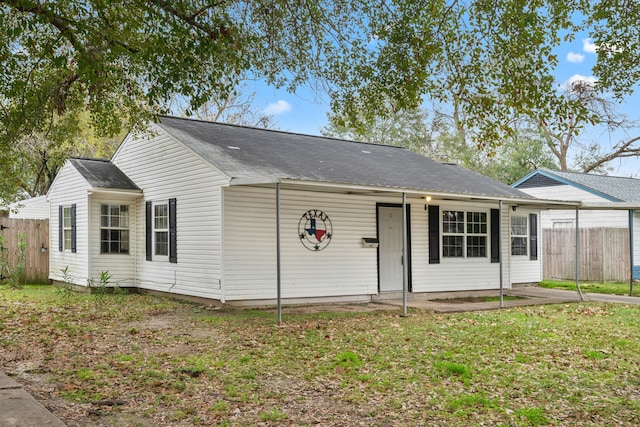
(390, 248)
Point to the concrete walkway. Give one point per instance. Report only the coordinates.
(19, 409)
(528, 295)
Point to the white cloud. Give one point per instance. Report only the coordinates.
(278, 107)
(575, 58)
(588, 46)
(578, 77)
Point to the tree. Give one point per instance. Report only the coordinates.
(493, 60)
(123, 64)
(31, 166)
(409, 129)
(600, 113)
(236, 107)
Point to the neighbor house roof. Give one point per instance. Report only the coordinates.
(102, 174)
(268, 156)
(613, 188)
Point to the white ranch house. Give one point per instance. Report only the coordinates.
(193, 208)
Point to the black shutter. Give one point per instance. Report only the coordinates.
(533, 237)
(73, 228)
(434, 234)
(60, 228)
(495, 235)
(173, 254)
(148, 234)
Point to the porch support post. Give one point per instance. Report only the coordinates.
(405, 267)
(630, 252)
(500, 256)
(278, 281)
(578, 255)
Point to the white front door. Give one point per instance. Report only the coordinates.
(390, 248)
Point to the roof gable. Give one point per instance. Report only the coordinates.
(613, 188)
(101, 173)
(251, 153)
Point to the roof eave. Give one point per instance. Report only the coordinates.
(355, 188)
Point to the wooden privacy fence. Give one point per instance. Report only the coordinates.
(603, 254)
(22, 241)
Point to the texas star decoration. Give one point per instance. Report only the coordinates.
(315, 230)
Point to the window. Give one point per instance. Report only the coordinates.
(161, 234)
(67, 228)
(161, 229)
(114, 229)
(519, 235)
(464, 234)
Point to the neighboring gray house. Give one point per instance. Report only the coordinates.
(607, 202)
(192, 208)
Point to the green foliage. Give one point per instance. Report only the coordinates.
(65, 290)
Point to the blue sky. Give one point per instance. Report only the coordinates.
(306, 112)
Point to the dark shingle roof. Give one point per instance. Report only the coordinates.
(242, 152)
(615, 188)
(101, 173)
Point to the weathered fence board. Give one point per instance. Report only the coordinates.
(35, 233)
(603, 254)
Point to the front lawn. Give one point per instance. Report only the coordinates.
(133, 360)
(593, 287)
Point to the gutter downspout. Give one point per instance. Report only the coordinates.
(631, 252)
(278, 275)
(405, 275)
(500, 256)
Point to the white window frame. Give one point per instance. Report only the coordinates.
(67, 229)
(469, 229)
(160, 229)
(516, 232)
(119, 223)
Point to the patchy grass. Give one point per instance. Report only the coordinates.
(593, 287)
(179, 364)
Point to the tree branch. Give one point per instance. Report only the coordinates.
(623, 150)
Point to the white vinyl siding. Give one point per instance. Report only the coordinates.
(69, 188)
(456, 274)
(343, 268)
(34, 208)
(164, 168)
(121, 266)
(523, 269)
(588, 218)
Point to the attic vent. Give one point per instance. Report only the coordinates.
(366, 152)
(233, 147)
(539, 181)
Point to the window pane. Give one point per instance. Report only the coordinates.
(452, 246)
(518, 226)
(452, 222)
(162, 243)
(476, 222)
(66, 214)
(476, 246)
(518, 246)
(161, 219)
